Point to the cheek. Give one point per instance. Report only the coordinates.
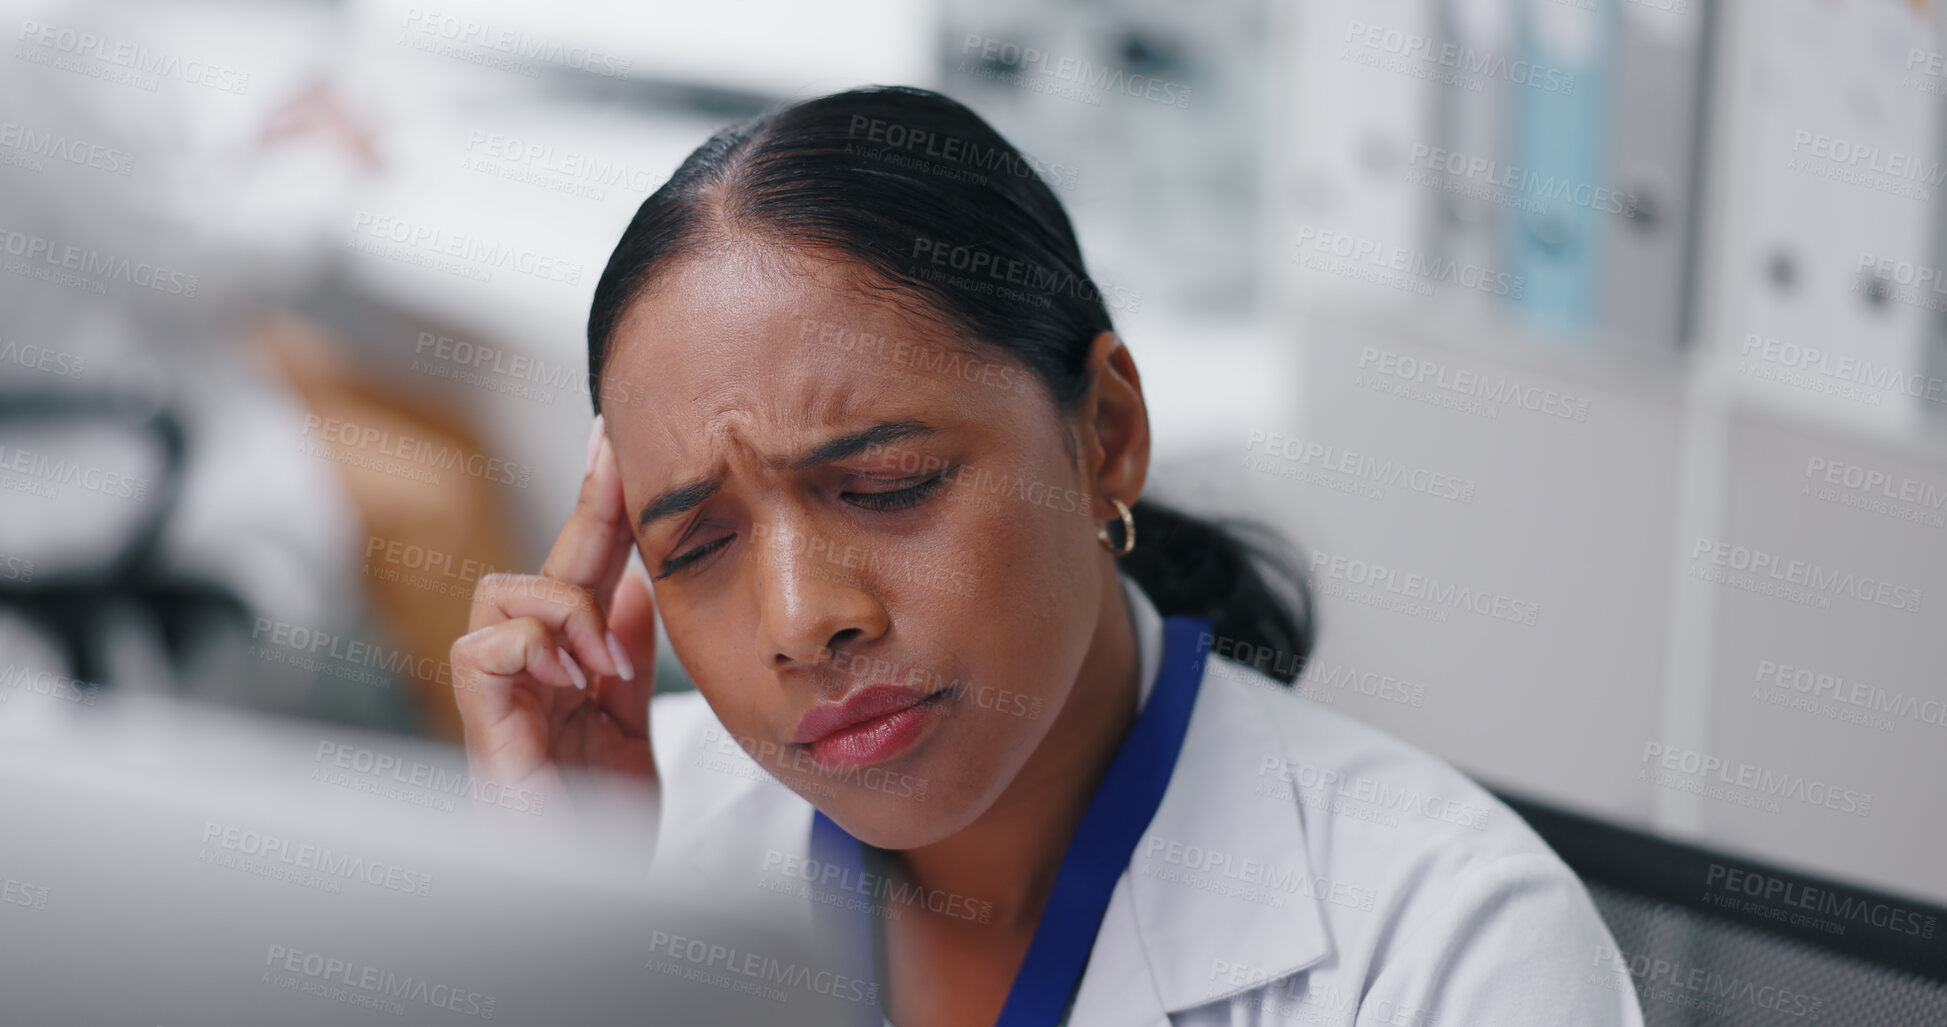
(719, 669)
(1034, 599)
(1039, 552)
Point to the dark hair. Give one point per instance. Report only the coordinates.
(884, 175)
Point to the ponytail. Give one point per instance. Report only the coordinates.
(1246, 588)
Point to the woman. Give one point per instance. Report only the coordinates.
(867, 422)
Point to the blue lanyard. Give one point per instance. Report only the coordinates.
(1115, 820)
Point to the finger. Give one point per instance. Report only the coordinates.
(594, 543)
(562, 607)
(489, 662)
(632, 621)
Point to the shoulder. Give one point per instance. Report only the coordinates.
(1352, 781)
(686, 736)
(680, 719)
(1437, 893)
(705, 769)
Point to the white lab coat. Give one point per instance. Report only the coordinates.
(1303, 868)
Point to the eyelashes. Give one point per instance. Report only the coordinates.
(898, 499)
(889, 501)
(691, 557)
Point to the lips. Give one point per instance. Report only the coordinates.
(871, 726)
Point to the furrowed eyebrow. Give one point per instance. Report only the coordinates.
(688, 496)
(856, 442)
(678, 499)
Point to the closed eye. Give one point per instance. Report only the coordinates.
(691, 557)
(898, 499)
(886, 501)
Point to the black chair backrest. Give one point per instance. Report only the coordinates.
(1711, 938)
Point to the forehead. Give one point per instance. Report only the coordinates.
(758, 345)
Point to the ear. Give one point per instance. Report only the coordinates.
(1115, 427)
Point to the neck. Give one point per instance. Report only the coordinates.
(1012, 853)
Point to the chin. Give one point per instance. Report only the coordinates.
(884, 813)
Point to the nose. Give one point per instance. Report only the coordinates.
(810, 606)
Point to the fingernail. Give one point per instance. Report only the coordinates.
(574, 669)
(595, 442)
(622, 664)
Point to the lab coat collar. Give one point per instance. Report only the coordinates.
(1220, 886)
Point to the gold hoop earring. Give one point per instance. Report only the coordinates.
(1128, 530)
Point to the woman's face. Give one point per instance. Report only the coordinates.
(845, 511)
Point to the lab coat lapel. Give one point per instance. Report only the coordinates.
(1220, 887)
(1118, 985)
